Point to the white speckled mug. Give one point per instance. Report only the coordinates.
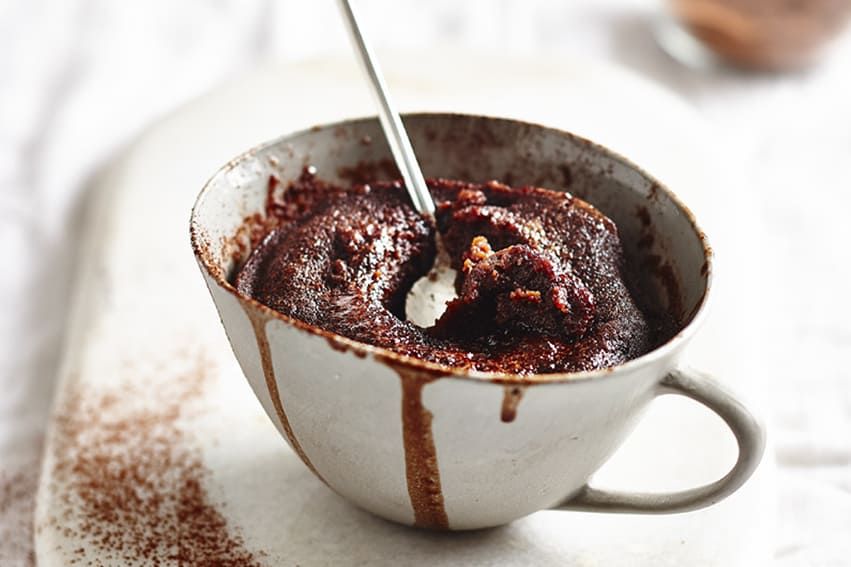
(446, 448)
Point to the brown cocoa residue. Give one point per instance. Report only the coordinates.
(277, 211)
(653, 193)
(666, 276)
(510, 401)
(255, 227)
(258, 324)
(336, 344)
(17, 501)
(132, 481)
(648, 237)
(566, 176)
(369, 171)
(249, 234)
(421, 465)
(646, 241)
(643, 215)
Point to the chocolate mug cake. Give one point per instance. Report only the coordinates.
(465, 423)
(540, 274)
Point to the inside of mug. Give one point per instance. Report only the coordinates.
(661, 242)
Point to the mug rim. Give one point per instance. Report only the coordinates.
(402, 361)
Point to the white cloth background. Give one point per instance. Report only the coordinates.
(80, 78)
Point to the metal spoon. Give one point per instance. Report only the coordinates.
(394, 130)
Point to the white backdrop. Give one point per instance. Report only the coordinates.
(80, 78)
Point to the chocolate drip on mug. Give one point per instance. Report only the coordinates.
(423, 473)
(258, 323)
(510, 400)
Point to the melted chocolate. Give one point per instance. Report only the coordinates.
(258, 324)
(422, 472)
(510, 401)
(540, 274)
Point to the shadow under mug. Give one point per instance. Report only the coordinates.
(449, 448)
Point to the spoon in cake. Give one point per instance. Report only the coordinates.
(428, 297)
(394, 130)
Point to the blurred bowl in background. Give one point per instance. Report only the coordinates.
(772, 35)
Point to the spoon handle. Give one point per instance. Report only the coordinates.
(394, 130)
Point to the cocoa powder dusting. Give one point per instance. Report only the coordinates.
(258, 324)
(423, 473)
(131, 479)
(17, 500)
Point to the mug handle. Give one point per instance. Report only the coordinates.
(750, 436)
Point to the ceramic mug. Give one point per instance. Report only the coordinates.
(448, 448)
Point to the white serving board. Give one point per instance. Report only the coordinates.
(133, 336)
